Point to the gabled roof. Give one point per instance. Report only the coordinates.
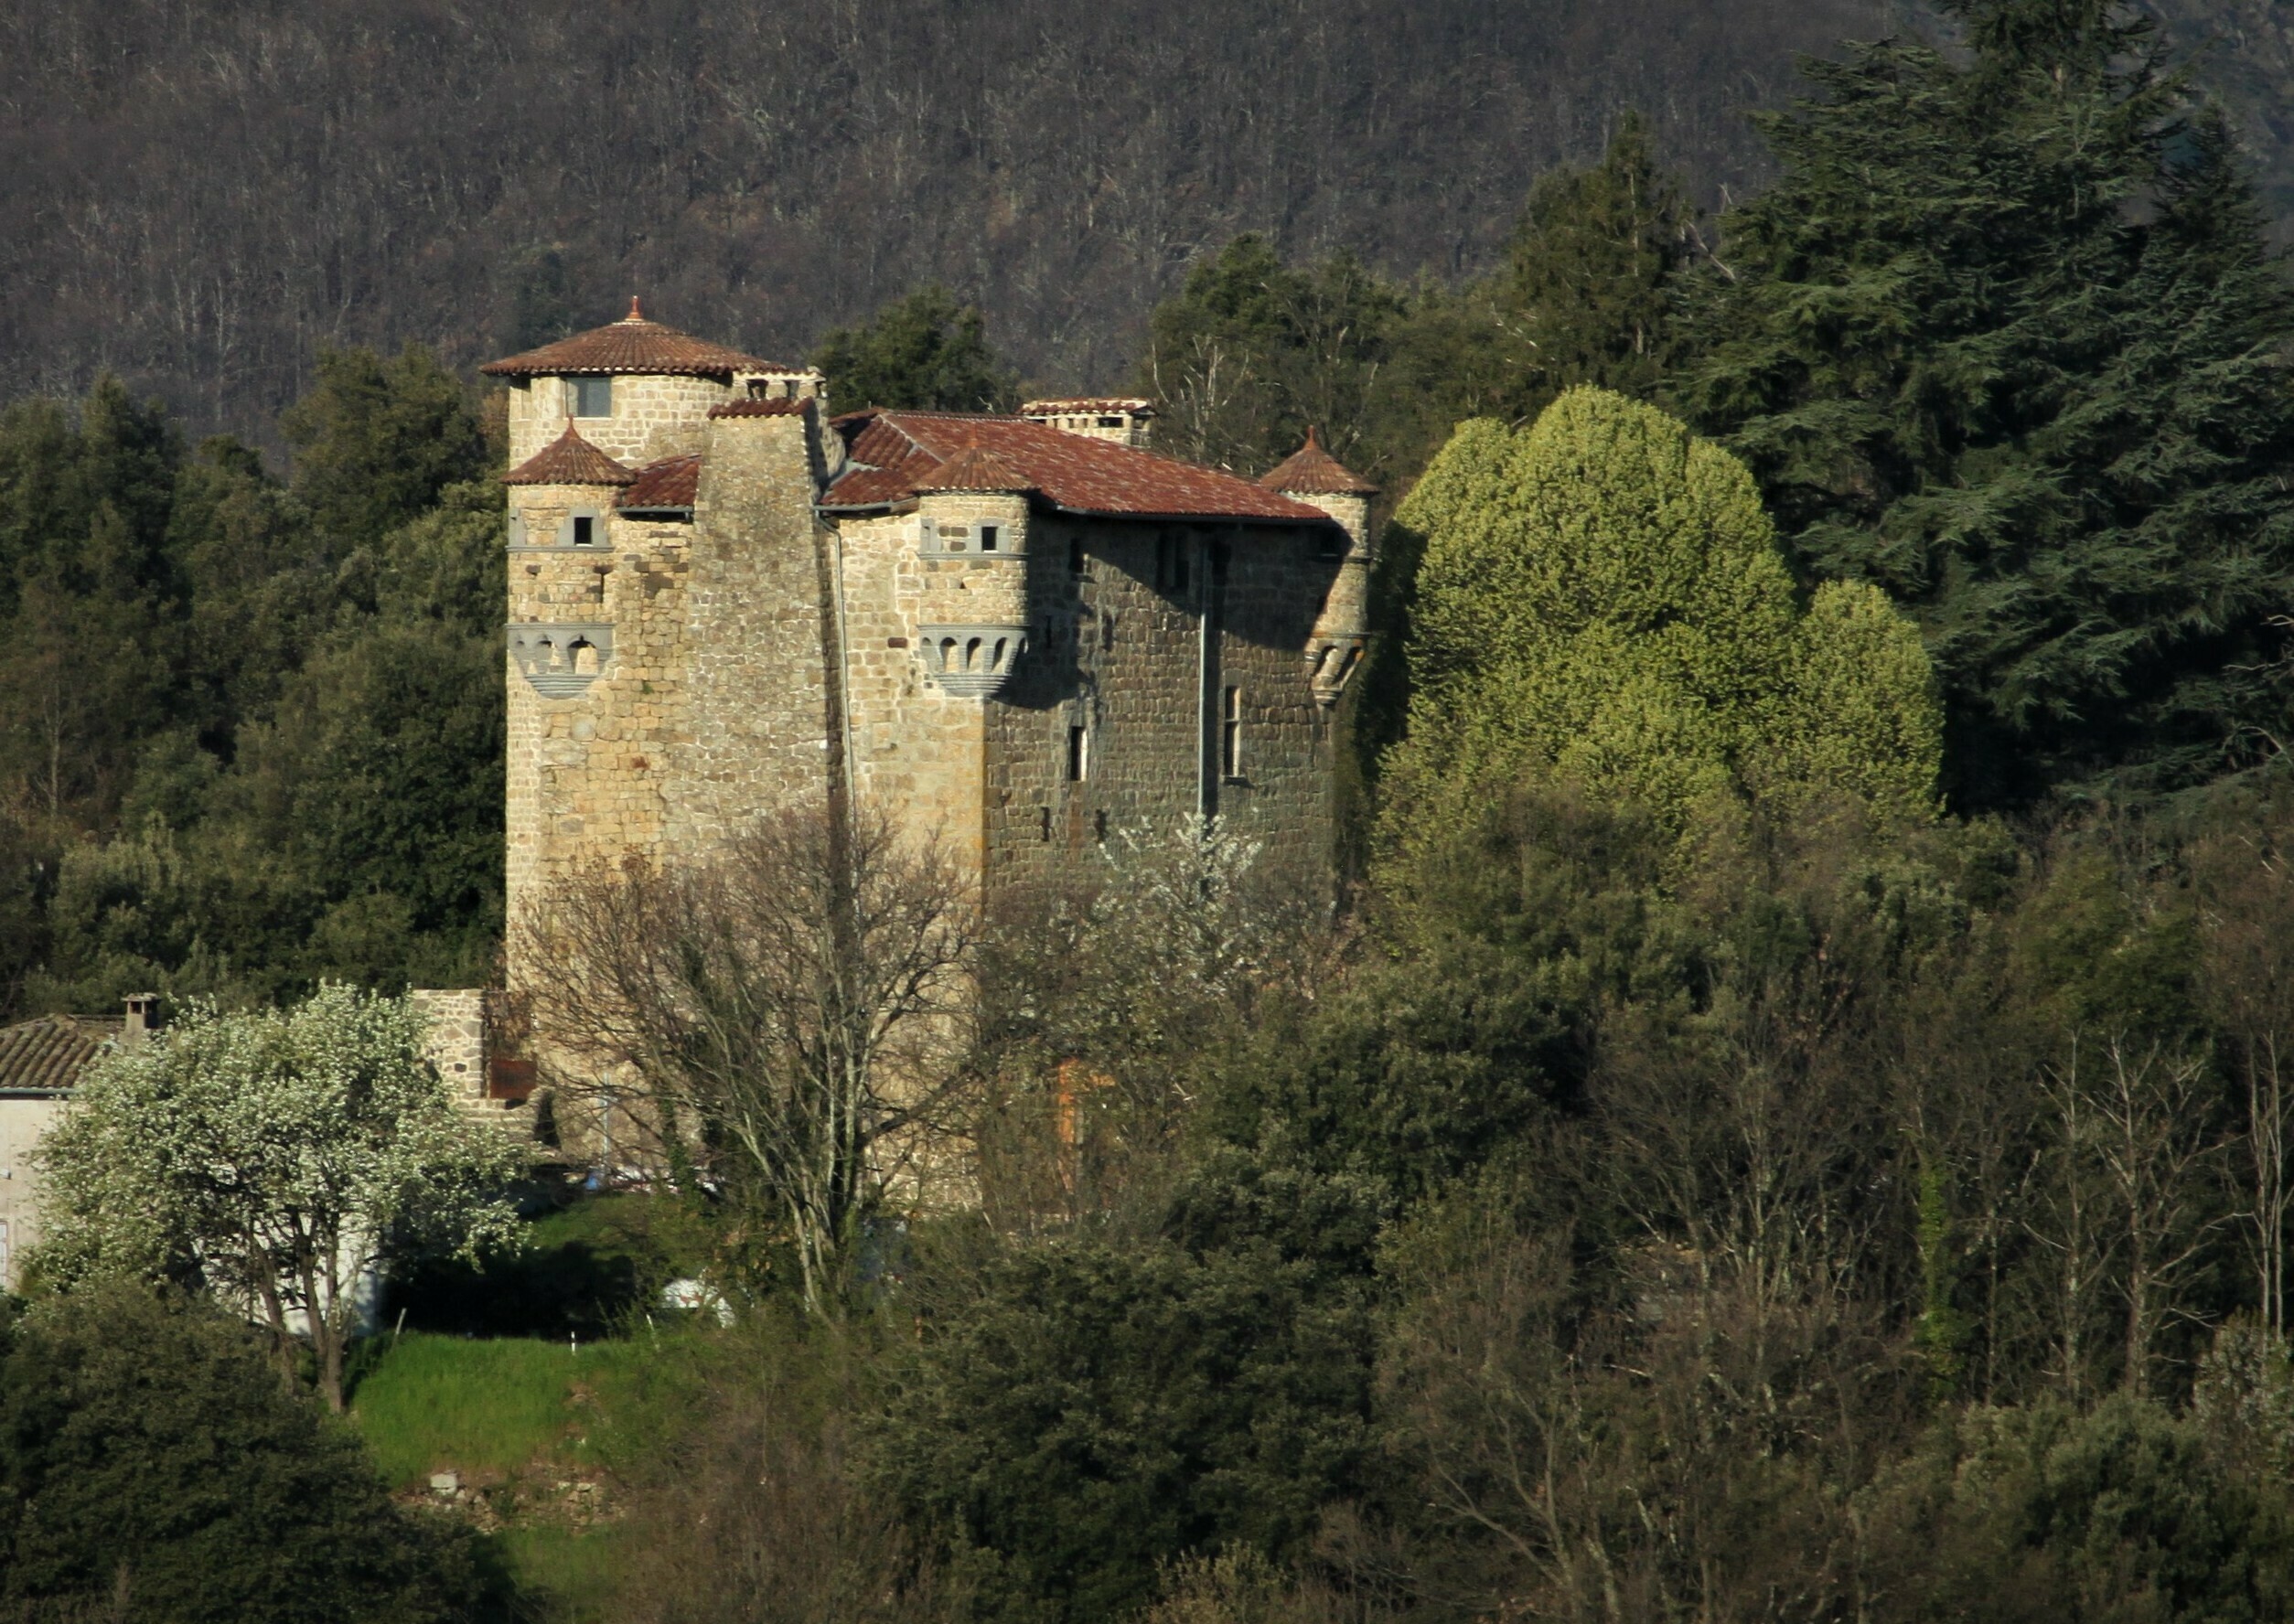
(631, 345)
(974, 468)
(1312, 471)
(672, 482)
(896, 454)
(568, 460)
(47, 1056)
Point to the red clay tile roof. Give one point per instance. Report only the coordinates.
(568, 460)
(47, 1056)
(896, 453)
(1312, 471)
(1134, 404)
(670, 483)
(974, 468)
(631, 345)
(763, 407)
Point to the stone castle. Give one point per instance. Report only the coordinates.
(1016, 635)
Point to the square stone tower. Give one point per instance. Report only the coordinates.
(1015, 635)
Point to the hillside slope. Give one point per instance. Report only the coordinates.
(201, 194)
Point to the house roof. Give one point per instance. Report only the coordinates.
(974, 468)
(568, 460)
(1312, 471)
(896, 454)
(631, 345)
(670, 483)
(46, 1055)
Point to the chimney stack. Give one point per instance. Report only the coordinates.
(142, 1009)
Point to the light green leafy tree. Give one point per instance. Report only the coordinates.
(1601, 602)
(275, 1158)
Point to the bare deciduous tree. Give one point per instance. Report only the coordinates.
(795, 1001)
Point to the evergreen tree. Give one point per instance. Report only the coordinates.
(153, 1466)
(2005, 340)
(377, 441)
(925, 351)
(1601, 602)
(1587, 292)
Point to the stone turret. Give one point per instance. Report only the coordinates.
(972, 539)
(1312, 476)
(640, 391)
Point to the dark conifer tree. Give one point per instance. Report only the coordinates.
(2006, 340)
(925, 350)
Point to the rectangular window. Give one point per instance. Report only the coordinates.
(1079, 755)
(1231, 733)
(585, 530)
(1074, 556)
(1332, 542)
(592, 397)
(988, 536)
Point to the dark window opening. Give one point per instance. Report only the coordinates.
(592, 397)
(1074, 556)
(988, 537)
(1079, 755)
(1333, 543)
(1098, 827)
(1179, 566)
(585, 530)
(1043, 817)
(1110, 422)
(1230, 734)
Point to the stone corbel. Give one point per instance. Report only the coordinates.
(970, 660)
(562, 658)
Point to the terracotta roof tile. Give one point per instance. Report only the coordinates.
(1312, 471)
(631, 345)
(762, 407)
(568, 460)
(47, 1056)
(898, 451)
(670, 483)
(975, 468)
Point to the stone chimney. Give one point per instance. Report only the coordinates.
(143, 1020)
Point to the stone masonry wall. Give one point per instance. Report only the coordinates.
(754, 680)
(652, 417)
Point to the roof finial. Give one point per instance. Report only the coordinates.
(635, 314)
(1313, 439)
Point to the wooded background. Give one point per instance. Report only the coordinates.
(199, 195)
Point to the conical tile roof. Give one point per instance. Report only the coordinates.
(631, 345)
(1312, 471)
(568, 460)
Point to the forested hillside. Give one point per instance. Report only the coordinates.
(199, 195)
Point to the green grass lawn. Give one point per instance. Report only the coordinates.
(484, 1408)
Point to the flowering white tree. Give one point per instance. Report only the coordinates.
(275, 1157)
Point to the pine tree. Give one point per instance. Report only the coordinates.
(1587, 292)
(2006, 341)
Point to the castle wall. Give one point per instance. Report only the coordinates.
(757, 694)
(1140, 658)
(587, 748)
(652, 417)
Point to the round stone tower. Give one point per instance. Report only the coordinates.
(1312, 476)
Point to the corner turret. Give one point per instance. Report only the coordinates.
(1312, 476)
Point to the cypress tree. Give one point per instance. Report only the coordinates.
(2006, 341)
